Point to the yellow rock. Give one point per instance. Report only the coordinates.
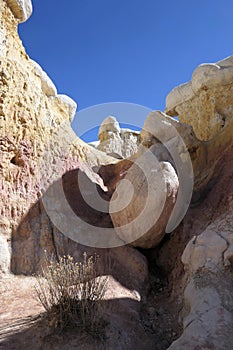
(37, 144)
(206, 101)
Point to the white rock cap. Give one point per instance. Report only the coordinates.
(47, 85)
(21, 9)
(207, 75)
(109, 124)
(50, 90)
(71, 103)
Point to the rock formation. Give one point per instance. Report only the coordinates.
(143, 201)
(115, 141)
(172, 197)
(37, 147)
(35, 127)
(21, 9)
(206, 101)
(208, 261)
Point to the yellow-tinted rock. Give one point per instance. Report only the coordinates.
(21, 9)
(37, 144)
(206, 101)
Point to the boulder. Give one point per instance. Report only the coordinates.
(143, 201)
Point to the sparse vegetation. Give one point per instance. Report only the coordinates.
(71, 293)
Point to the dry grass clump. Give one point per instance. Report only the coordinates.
(71, 293)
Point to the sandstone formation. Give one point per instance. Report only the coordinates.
(208, 262)
(206, 101)
(176, 142)
(172, 197)
(115, 141)
(37, 144)
(37, 147)
(47, 86)
(164, 140)
(143, 201)
(21, 9)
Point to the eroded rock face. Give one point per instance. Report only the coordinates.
(165, 140)
(208, 261)
(21, 9)
(47, 86)
(38, 147)
(37, 144)
(176, 141)
(209, 291)
(71, 103)
(115, 141)
(206, 101)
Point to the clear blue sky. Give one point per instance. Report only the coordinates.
(126, 50)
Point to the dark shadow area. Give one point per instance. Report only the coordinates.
(71, 182)
(121, 329)
(37, 234)
(127, 265)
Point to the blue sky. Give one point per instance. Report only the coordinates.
(126, 50)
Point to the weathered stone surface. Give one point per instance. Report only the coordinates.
(209, 291)
(168, 141)
(180, 140)
(131, 141)
(11, 47)
(108, 125)
(71, 103)
(143, 201)
(2, 43)
(48, 88)
(206, 101)
(37, 146)
(21, 9)
(208, 262)
(5, 254)
(117, 142)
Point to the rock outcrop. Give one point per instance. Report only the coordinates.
(21, 9)
(176, 142)
(206, 101)
(164, 141)
(208, 262)
(115, 141)
(37, 144)
(38, 147)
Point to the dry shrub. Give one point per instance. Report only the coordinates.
(71, 293)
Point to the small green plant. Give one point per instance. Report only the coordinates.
(71, 293)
